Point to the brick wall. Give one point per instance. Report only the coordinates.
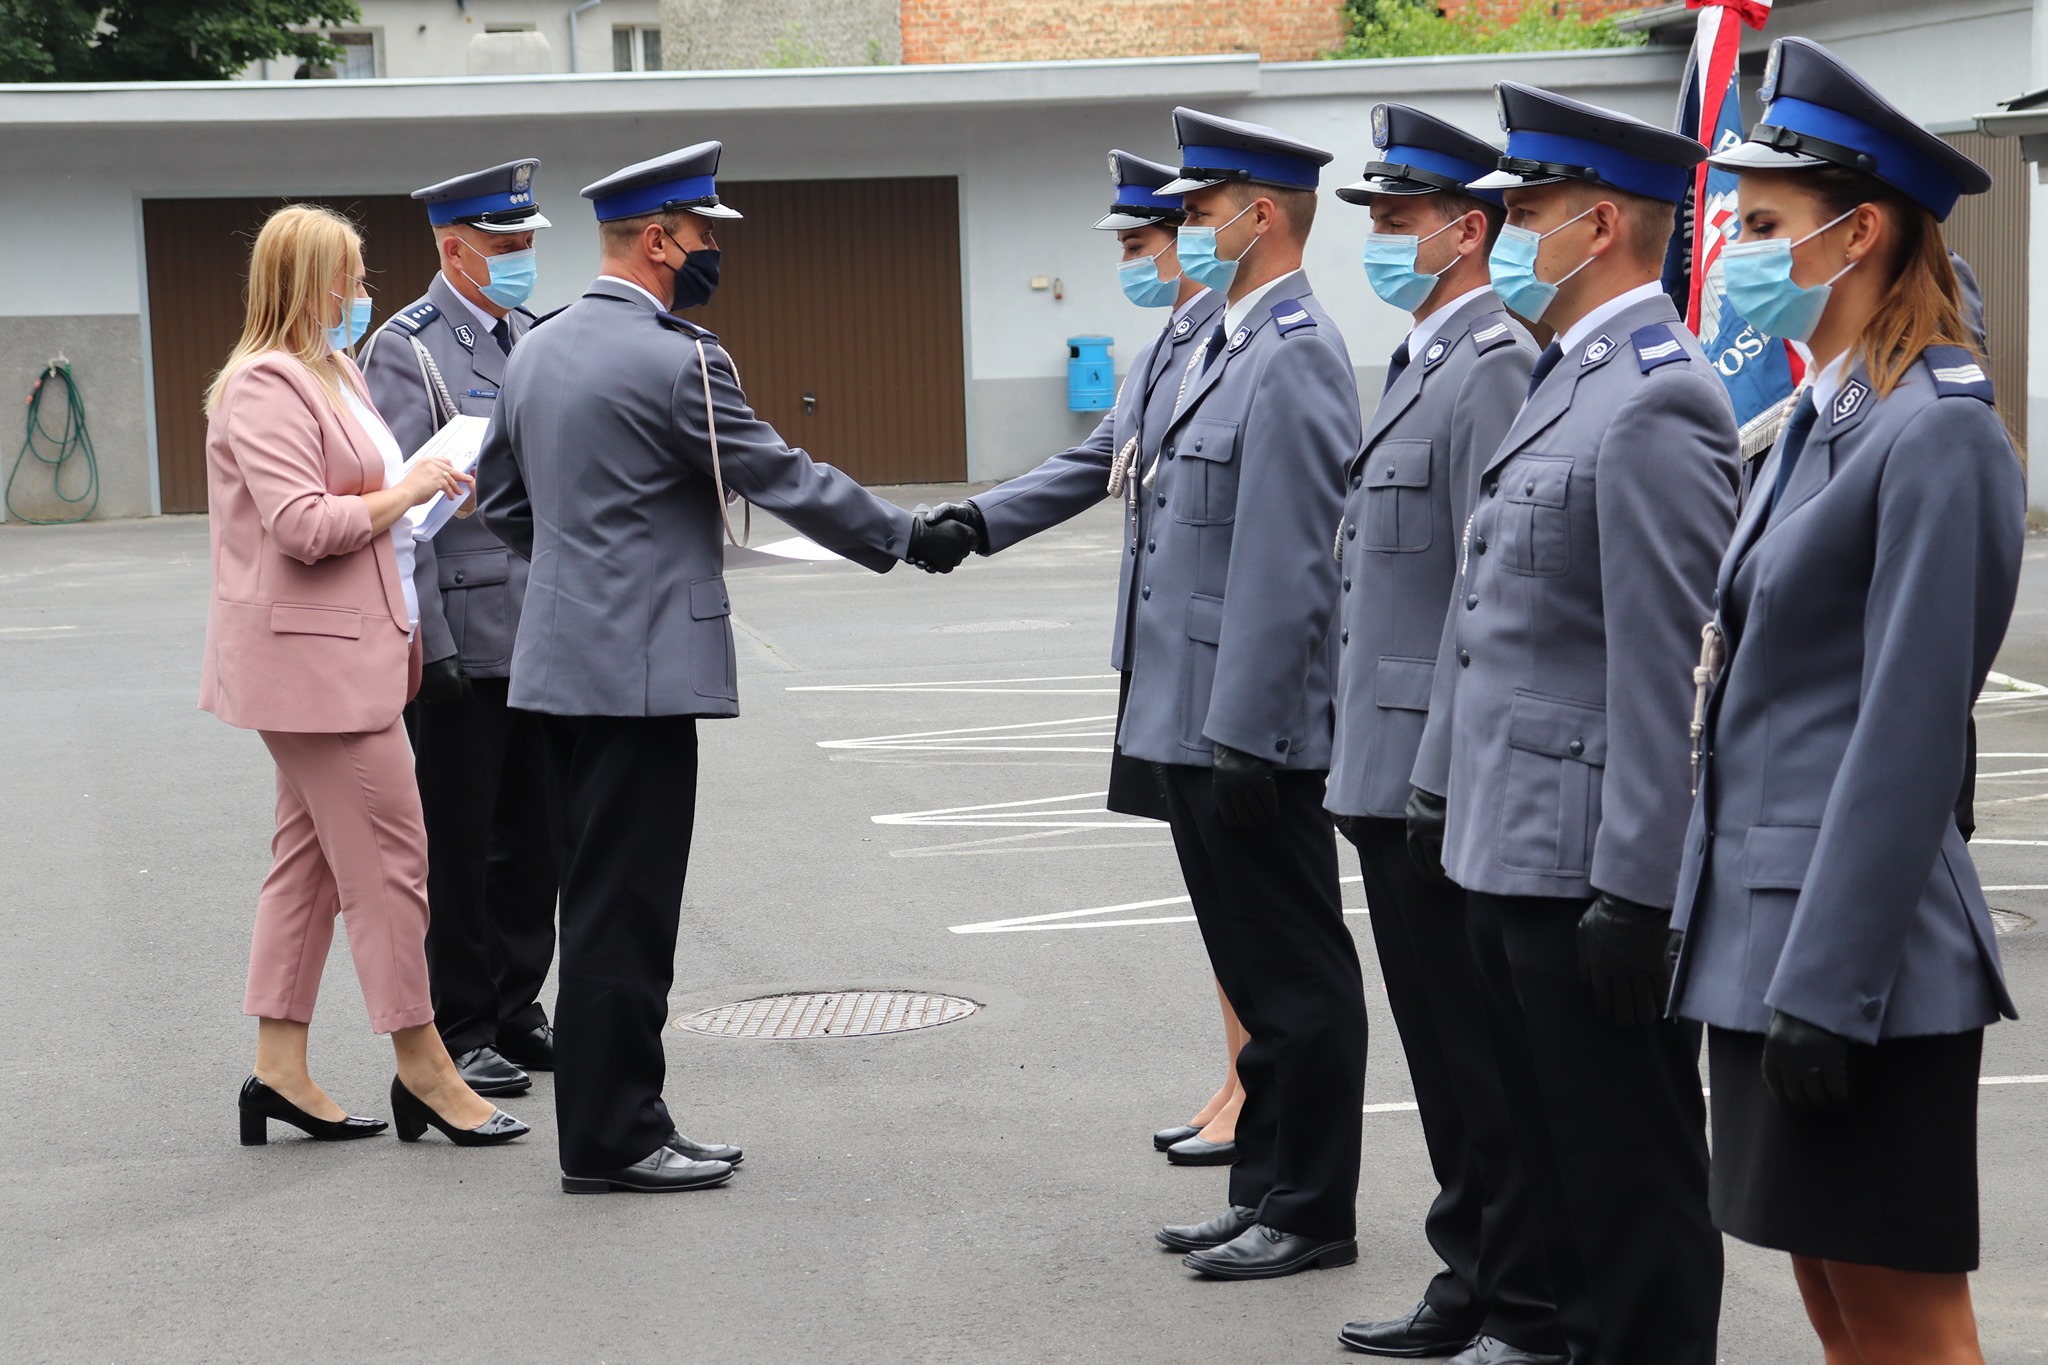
(1042, 30)
(1505, 11)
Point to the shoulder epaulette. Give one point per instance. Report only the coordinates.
(527, 313)
(1290, 316)
(545, 316)
(1656, 345)
(1957, 373)
(1496, 331)
(419, 315)
(685, 326)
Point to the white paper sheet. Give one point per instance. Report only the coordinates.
(459, 443)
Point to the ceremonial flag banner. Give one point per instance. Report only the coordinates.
(1760, 371)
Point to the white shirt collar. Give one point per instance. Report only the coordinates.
(642, 289)
(1425, 331)
(1582, 331)
(1234, 316)
(1829, 381)
(485, 319)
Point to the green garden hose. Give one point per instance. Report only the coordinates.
(69, 446)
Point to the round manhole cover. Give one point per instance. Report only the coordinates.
(996, 627)
(829, 1014)
(2010, 921)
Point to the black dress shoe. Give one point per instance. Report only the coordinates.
(415, 1116)
(485, 1070)
(705, 1151)
(531, 1049)
(1195, 1152)
(1424, 1332)
(1264, 1253)
(1494, 1351)
(661, 1171)
(1166, 1137)
(1224, 1227)
(259, 1103)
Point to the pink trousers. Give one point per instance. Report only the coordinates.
(350, 841)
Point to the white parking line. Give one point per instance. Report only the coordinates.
(984, 685)
(1026, 737)
(1077, 919)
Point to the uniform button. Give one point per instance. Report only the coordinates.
(1472, 602)
(1345, 638)
(1492, 487)
(1347, 585)
(1134, 547)
(1464, 659)
(1162, 499)
(1576, 747)
(1390, 471)
(1151, 547)
(1351, 531)
(1357, 480)
(1872, 1008)
(460, 576)
(1146, 593)
(889, 542)
(1281, 745)
(1529, 487)
(1198, 442)
(1479, 545)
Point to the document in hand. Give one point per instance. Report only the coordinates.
(459, 443)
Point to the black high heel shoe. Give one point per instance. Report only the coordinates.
(260, 1103)
(414, 1116)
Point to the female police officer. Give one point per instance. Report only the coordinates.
(1836, 938)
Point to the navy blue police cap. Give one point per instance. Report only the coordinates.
(497, 200)
(1138, 200)
(1552, 139)
(1817, 112)
(1421, 154)
(1216, 150)
(674, 182)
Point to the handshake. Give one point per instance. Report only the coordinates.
(941, 537)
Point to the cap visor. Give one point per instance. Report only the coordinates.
(717, 211)
(1508, 180)
(1366, 190)
(1119, 222)
(526, 224)
(1756, 156)
(1185, 186)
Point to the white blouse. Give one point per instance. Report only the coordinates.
(394, 461)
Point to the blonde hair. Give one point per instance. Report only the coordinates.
(299, 253)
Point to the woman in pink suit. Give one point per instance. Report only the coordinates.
(310, 642)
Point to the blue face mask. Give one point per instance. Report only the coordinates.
(1391, 271)
(1513, 268)
(512, 278)
(1758, 278)
(1142, 285)
(348, 332)
(1198, 260)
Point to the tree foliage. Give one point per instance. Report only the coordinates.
(159, 40)
(1418, 28)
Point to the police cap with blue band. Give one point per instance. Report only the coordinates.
(497, 200)
(1215, 151)
(675, 182)
(1421, 154)
(1817, 112)
(1552, 139)
(1138, 201)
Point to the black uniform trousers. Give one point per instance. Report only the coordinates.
(624, 805)
(1267, 903)
(1481, 1223)
(490, 870)
(1612, 1129)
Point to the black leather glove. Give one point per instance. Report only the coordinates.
(1246, 795)
(1621, 956)
(1351, 827)
(1805, 1066)
(939, 546)
(1425, 814)
(968, 515)
(444, 680)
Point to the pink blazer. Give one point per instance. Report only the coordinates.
(306, 629)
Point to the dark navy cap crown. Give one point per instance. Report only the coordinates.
(1138, 201)
(1215, 150)
(1553, 139)
(1817, 112)
(497, 200)
(1421, 154)
(684, 180)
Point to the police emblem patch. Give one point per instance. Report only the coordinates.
(1596, 350)
(1183, 327)
(1239, 338)
(1849, 400)
(1115, 175)
(1500, 107)
(465, 334)
(1379, 126)
(1438, 349)
(1769, 90)
(522, 176)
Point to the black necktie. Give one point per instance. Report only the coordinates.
(1545, 363)
(1396, 367)
(1215, 348)
(503, 332)
(1796, 432)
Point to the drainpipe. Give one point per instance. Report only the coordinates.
(575, 57)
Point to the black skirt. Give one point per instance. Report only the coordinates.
(1888, 1179)
(1134, 788)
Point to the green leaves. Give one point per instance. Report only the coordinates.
(1415, 28)
(160, 40)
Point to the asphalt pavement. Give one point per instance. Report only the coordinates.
(910, 800)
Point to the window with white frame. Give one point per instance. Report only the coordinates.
(636, 47)
(358, 56)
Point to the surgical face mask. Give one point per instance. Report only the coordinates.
(512, 276)
(1141, 282)
(1198, 260)
(1758, 278)
(1391, 270)
(354, 323)
(1513, 268)
(696, 277)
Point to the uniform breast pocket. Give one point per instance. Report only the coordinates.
(1397, 516)
(1557, 750)
(1535, 518)
(1203, 488)
(480, 621)
(713, 668)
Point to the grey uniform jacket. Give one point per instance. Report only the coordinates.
(1231, 640)
(469, 585)
(1587, 575)
(597, 468)
(1824, 875)
(1411, 488)
(1077, 479)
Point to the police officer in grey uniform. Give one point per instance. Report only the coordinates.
(1232, 657)
(1453, 387)
(1836, 938)
(490, 877)
(607, 465)
(1585, 575)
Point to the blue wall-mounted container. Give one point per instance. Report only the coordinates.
(1091, 378)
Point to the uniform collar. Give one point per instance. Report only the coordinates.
(1235, 315)
(483, 319)
(642, 290)
(1191, 307)
(1828, 382)
(1425, 331)
(1582, 331)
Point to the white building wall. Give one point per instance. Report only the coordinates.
(419, 38)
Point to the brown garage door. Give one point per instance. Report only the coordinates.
(1990, 232)
(840, 303)
(197, 253)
